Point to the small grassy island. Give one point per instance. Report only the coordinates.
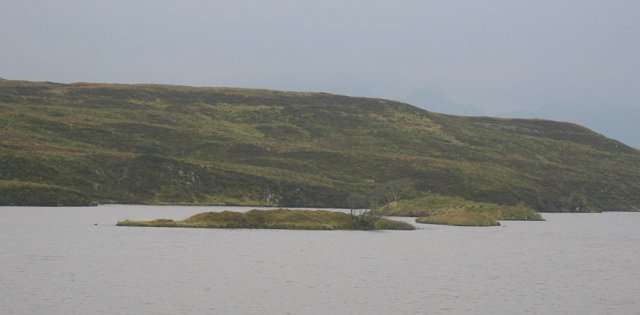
(278, 219)
(449, 210)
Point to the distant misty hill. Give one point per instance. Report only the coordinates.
(435, 100)
(64, 144)
(619, 122)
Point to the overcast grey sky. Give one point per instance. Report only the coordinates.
(492, 57)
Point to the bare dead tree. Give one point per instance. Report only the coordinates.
(357, 204)
(398, 187)
(393, 190)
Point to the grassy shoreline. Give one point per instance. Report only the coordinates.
(277, 219)
(449, 210)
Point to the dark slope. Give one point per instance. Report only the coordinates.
(172, 144)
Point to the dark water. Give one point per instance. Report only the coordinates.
(56, 261)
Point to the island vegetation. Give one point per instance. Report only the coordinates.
(450, 210)
(279, 219)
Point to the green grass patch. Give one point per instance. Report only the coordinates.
(438, 209)
(277, 219)
(459, 218)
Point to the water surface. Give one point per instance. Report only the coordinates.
(56, 261)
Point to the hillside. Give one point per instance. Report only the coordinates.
(107, 143)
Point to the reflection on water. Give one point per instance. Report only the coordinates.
(56, 261)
